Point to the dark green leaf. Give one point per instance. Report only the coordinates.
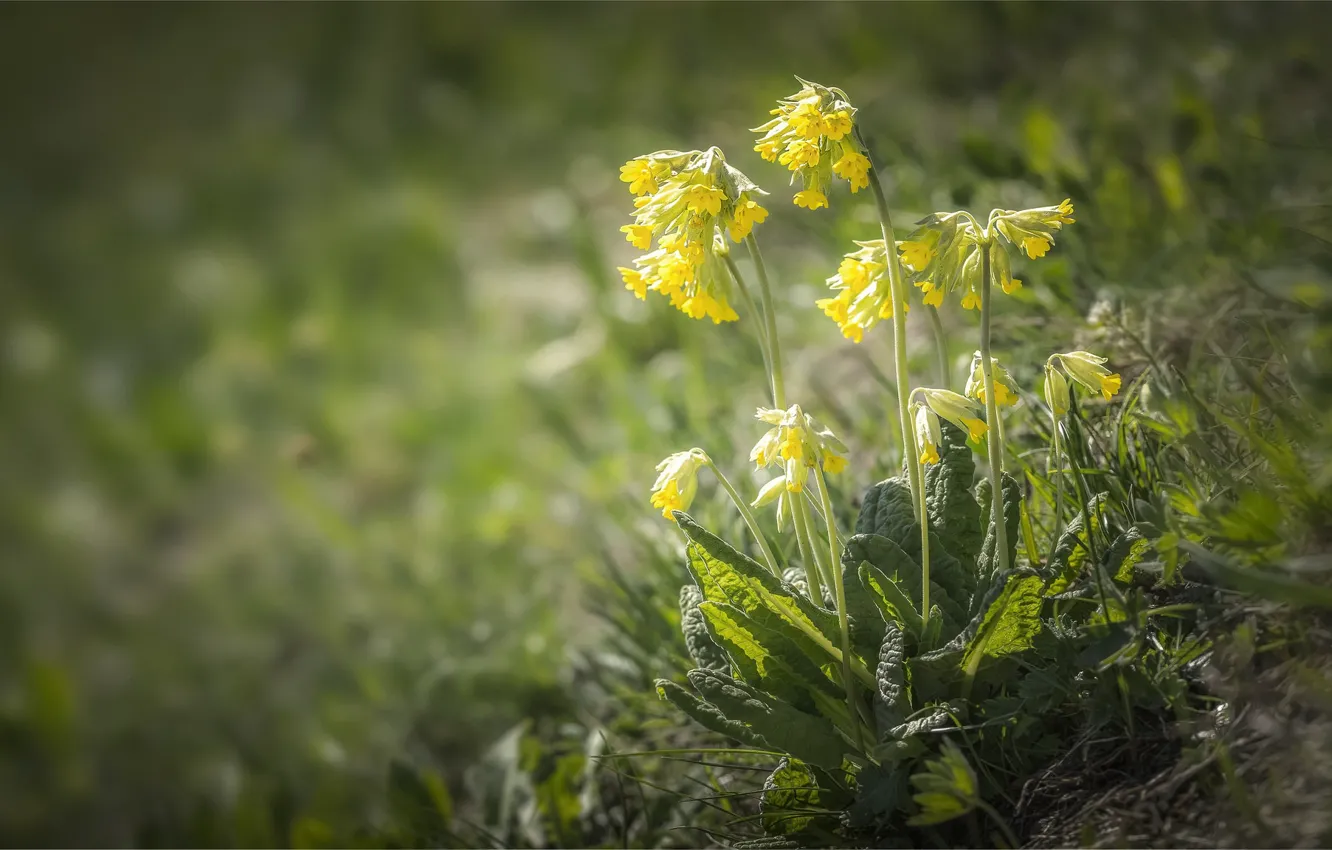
(705, 652)
(788, 793)
(804, 736)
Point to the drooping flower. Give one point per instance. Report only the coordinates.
(958, 409)
(797, 442)
(862, 291)
(677, 482)
(1005, 388)
(812, 134)
(946, 248)
(1089, 371)
(811, 199)
(1056, 389)
(689, 201)
(928, 435)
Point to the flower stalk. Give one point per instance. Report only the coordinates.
(839, 594)
(750, 520)
(992, 415)
(770, 318)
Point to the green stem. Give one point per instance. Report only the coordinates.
(801, 523)
(896, 285)
(992, 415)
(770, 309)
(1053, 470)
(750, 519)
(839, 592)
(751, 306)
(1003, 444)
(924, 547)
(940, 346)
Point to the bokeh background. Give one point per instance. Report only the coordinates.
(326, 427)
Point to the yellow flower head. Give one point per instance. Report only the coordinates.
(633, 281)
(862, 294)
(958, 409)
(810, 199)
(677, 482)
(1005, 388)
(640, 175)
(915, 254)
(1036, 246)
(693, 200)
(934, 295)
(797, 442)
(812, 134)
(1088, 370)
(928, 435)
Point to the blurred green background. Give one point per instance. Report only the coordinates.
(321, 406)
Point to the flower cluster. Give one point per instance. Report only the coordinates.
(1005, 388)
(796, 442)
(677, 482)
(811, 134)
(863, 291)
(944, 253)
(929, 405)
(1083, 367)
(684, 201)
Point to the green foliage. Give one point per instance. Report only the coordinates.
(945, 790)
(789, 793)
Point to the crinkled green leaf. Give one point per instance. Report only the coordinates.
(1125, 553)
(954, 515)
(767, 659)
(710, 716)
(897, 564)
(866, 622)
(727, 576)
(705, 652)
(891, 599)
(808, 738)
(1011, 622)
(1072, 550)
(887, 511)
(985, 562)
(789, 793)
(890, 702)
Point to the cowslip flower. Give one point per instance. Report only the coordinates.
(928, 436)
(944, 252)
(677, 482)
(863, 294)
(812, 135)
(1005, 388)
(687, 203)
(1086, 369)
(958, 409)
(797, 442)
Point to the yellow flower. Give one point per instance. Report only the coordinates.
(638, 235)
(972, 300)
(835, 308)
(706, 199)
(769, 149)
(797, 442)
(854, 167)
(633, 281)
(916, 254)
(638, 174)
(837, 124)
(747, 213)
(810, 199)
(1087, 369)
(934, 295)
(1036, 246)
(833, 464)
(958, 409)
(1005, 388)
(800, 153)
(1011, 285)
(677, 482)
(927, 434)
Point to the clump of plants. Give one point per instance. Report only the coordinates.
(912, 670)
